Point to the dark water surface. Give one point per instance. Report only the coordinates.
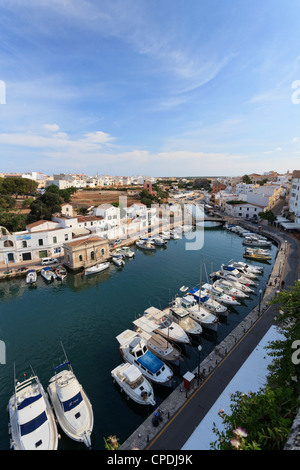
(87, 313)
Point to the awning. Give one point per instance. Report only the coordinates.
(80, 231)
(290, 225)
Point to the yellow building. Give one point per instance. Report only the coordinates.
(86, 252)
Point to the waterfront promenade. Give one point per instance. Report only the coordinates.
(184, 410)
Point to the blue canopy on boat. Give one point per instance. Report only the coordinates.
(150, 362)
(229, 268)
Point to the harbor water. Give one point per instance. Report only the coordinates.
(86, 313)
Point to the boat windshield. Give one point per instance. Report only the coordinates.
(166, 322)
(34, 424)
(72, 402)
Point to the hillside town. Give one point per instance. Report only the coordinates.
(127, 208)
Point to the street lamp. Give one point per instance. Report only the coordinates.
(260, 293)
(199, 351)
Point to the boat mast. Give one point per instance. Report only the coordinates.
(200, 283)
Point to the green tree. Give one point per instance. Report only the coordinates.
(246, 179)
(13, 221)
(268, 215)
(262, 420)
(44, 206)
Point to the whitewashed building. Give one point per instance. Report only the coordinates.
(294, 205)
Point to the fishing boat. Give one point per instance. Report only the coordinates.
(229, 289)
(61, 272)
(208, 302)
(145, 245)
(97, 268)
(182, 317)
(156, 343)
(118, 261)
(71, 405)
(31, 276)
(237, 284)
(32, 421)
(257, 256)
(198, 312)
(134, 350)
(134, 384)
(216, 291)
(165, 326)
(48, 274)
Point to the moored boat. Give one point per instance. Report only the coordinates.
(31, 276)
(48, 274)
(32, 422)
(165, 326)
(216, 291)
(131, 380)
(182, 317)
(134, 350)
(118, 261)
(71, 405)
(61, 272)
(97, 268)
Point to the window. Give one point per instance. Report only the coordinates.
(66, 237)
(92, 255)
(41, 243)
(80, 258)
(24, 244)
(102, 251)
(54, 239)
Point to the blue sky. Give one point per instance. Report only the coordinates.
(152, 87)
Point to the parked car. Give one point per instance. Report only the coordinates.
(45, 261)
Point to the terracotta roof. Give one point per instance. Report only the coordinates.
(39, 222)
(86, 241)
(296, 174)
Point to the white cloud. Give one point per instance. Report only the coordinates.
(51, 127)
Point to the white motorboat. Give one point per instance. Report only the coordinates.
(127, 252)
(208, 302)
(198, 312)
(183, 288)
(182, 317)
(229, 289)
(31, 276)
(71, 405)
(236, 284)
(134, 350)
(234, 275)
(165, 326)
(32, 421)
(97, 268)
(61, 272)
(165, 235)
(118, 261)
(248, 267)
(145, 245)
(216, 291)
(175, 235)
(159, 241)
(48, 274)
(135, 385)
(240, 269)
(256, 242)
(156, 343)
